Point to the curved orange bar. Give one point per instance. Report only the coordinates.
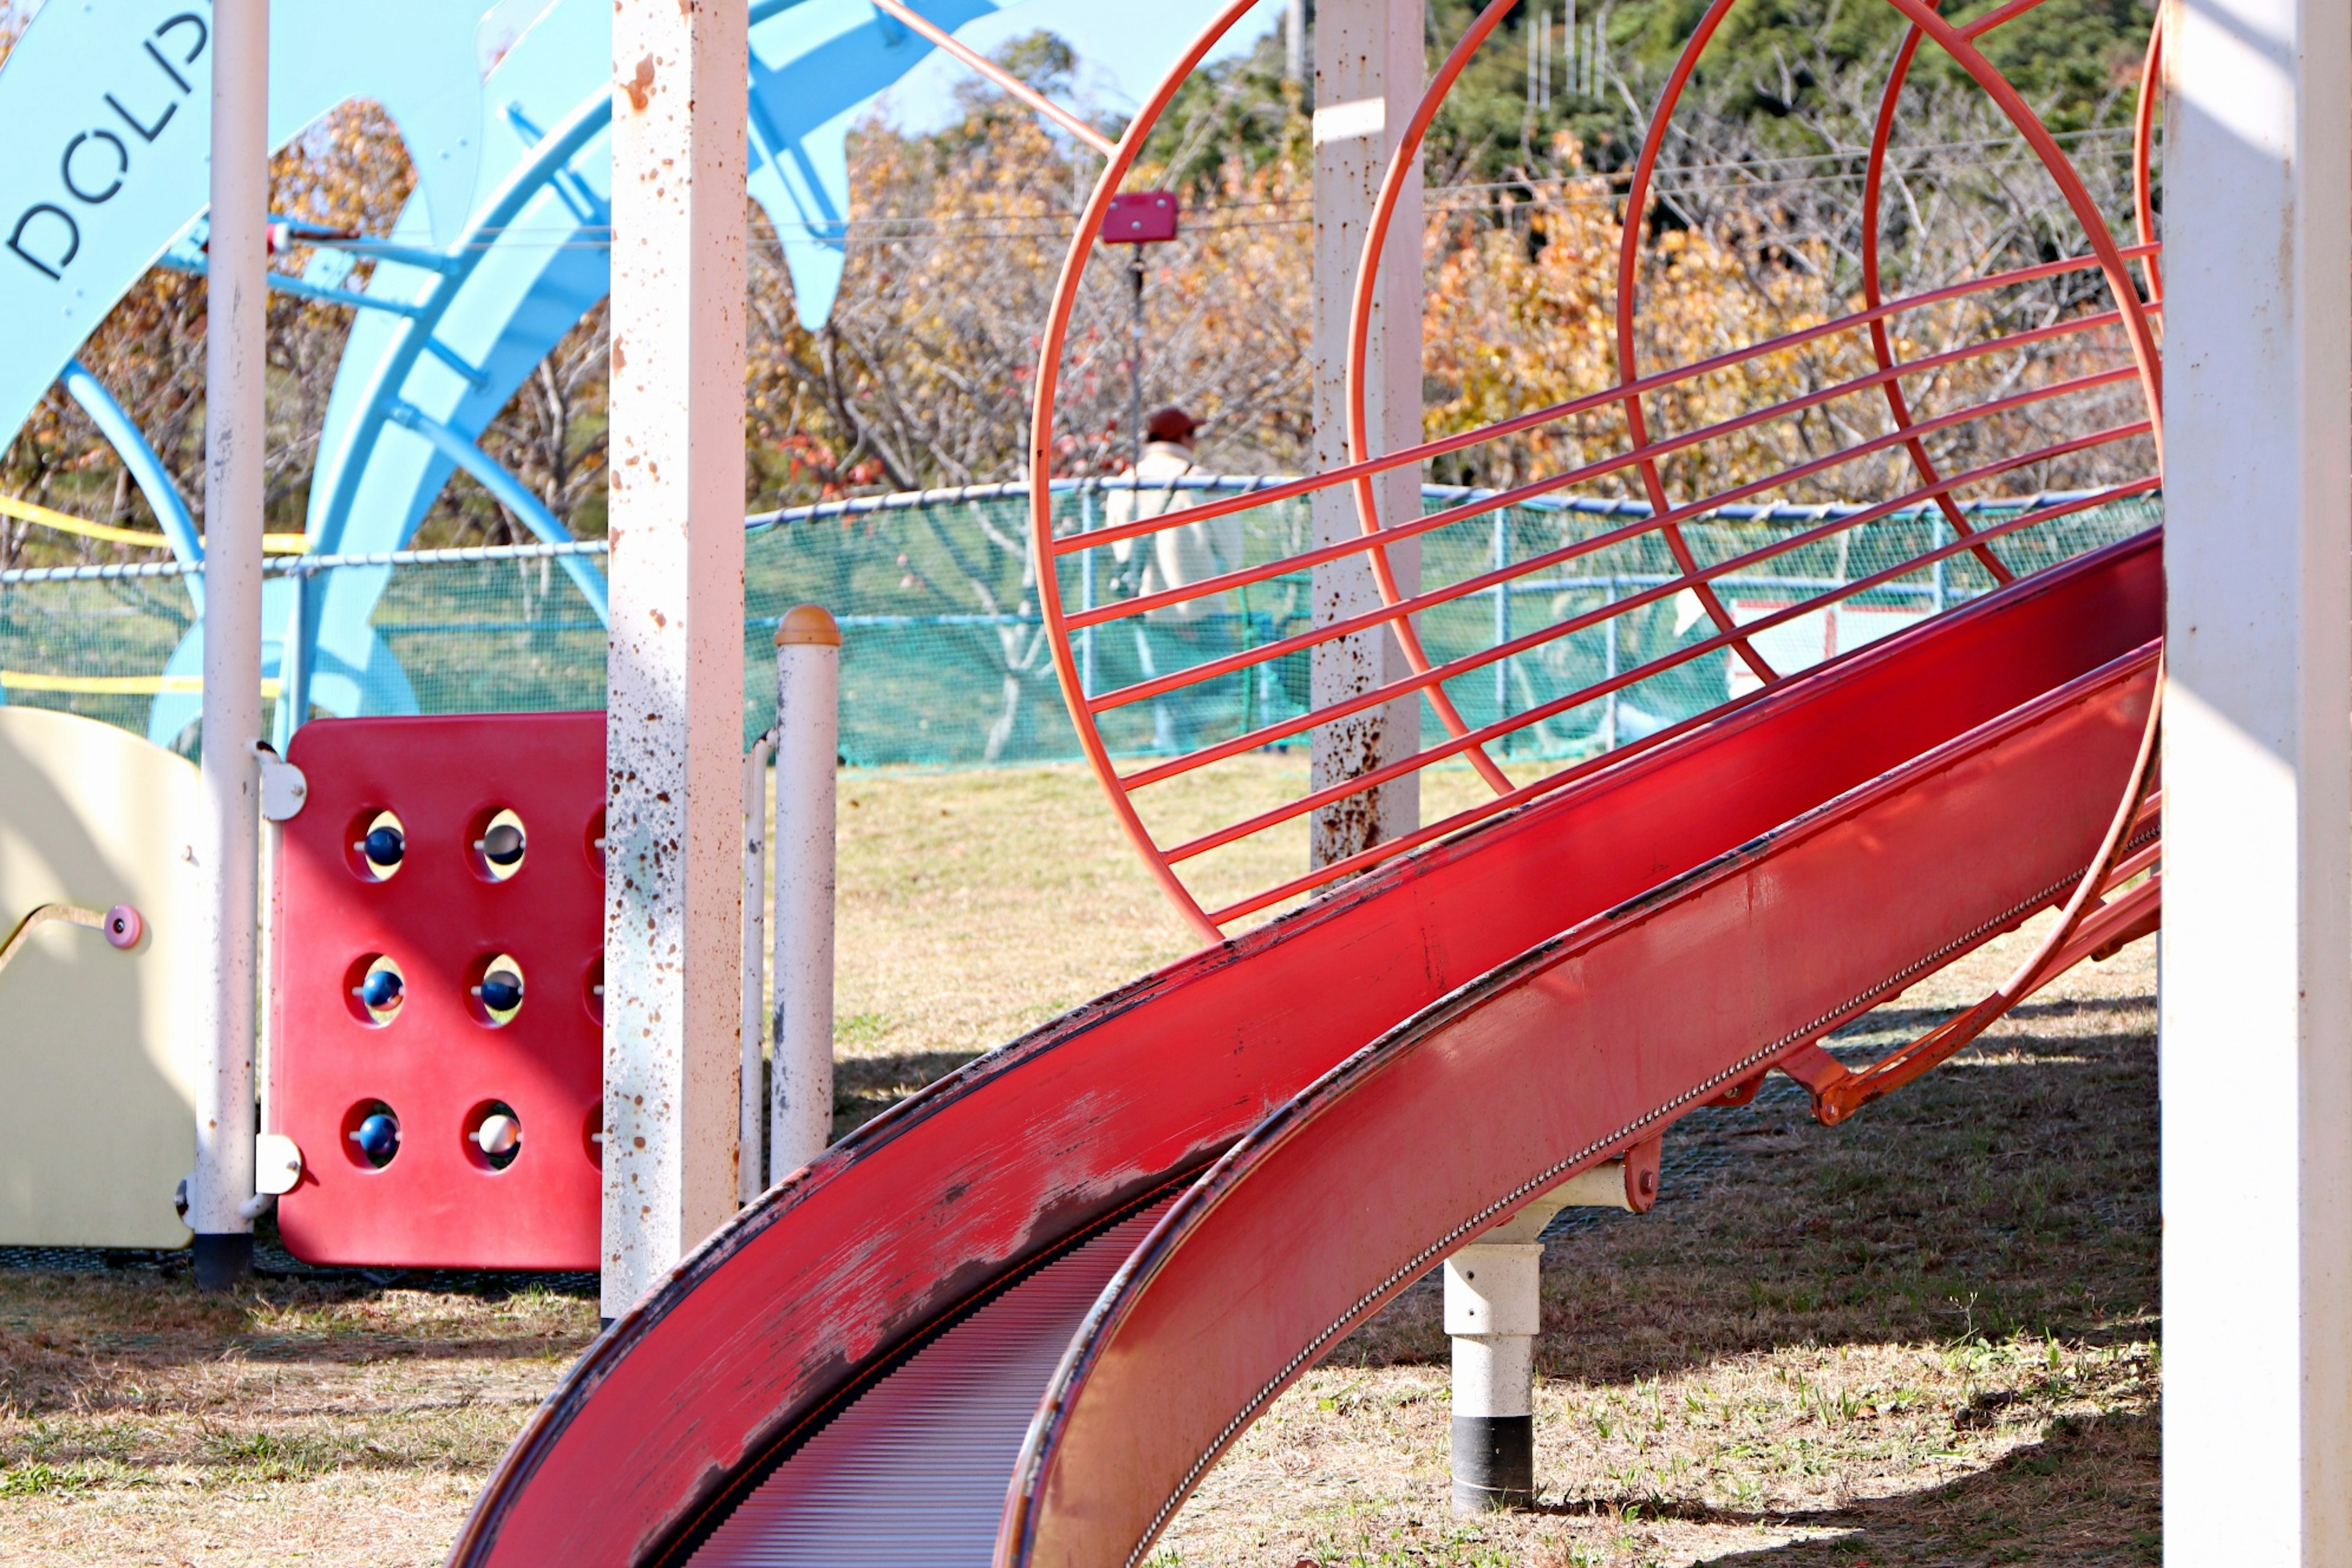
(1881, 346)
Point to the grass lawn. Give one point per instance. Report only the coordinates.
(1926, 1338)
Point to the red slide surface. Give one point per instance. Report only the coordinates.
(1016, 1317)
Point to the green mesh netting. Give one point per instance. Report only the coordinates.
(946, 662)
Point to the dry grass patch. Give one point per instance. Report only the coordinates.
(345, 1423)
(976, 906)
(1926, 1338)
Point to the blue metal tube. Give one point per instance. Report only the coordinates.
(559, 147)
(509, 493)
(285, 283)
(548, 158)
(147, 471)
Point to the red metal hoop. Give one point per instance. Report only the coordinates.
(1937, 493)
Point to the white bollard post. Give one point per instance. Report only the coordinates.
(237, 296)
(752, 1112)
(808, 733)
(1493, 1310)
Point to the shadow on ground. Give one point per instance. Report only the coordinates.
(2084, 1495)
(2013, 1190)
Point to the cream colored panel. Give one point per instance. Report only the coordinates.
(97, 1124)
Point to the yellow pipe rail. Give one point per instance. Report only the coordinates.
(113, 685)
(42, 517)
(48, 914)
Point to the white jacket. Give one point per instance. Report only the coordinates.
(1183, 554)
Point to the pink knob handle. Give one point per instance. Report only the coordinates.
(124, 927)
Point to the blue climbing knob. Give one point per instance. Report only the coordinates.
(384, 846)
(381, 989)
(379, 1137)
(502, 845)
(501, 990)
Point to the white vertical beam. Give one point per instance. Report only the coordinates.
(808, 740)
(1369, 71)
(236, 344)
(674, 741)
(2257, 1001)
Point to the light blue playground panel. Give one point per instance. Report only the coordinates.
(503, 252)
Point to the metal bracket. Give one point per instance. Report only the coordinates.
(1823, 1077)
(284, 790)
(276, 1163)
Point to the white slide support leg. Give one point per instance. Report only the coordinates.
(1494, 1310)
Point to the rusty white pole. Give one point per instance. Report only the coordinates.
(1368, 68)
(808, 738)
(2257, 1000)
(674, 740)
(236, 344)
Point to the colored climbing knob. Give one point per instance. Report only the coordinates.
(124, 927)
(501, 991)
(502, 845)
(379, 1138)
(498, 1134)
(384, 846)
(381, 989)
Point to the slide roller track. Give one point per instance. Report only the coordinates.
(857, 1270)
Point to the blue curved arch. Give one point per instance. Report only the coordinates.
(147, 471)
(449, 325)
(418, 387)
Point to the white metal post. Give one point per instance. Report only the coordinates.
(752, 1091)
(237, 324)
(808, 743)
(2257, 1002)
(673, 908)
(1369, 71)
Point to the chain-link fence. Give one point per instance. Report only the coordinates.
(946, 659)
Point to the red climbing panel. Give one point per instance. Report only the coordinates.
(436, 971)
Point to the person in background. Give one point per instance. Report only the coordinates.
(1189, 631)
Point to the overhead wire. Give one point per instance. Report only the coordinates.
(1055, 225)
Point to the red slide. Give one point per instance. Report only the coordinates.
(1015, 1318)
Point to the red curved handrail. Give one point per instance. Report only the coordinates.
(2151, 84)
(1041, 443)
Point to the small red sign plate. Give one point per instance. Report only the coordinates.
(1140, 217)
